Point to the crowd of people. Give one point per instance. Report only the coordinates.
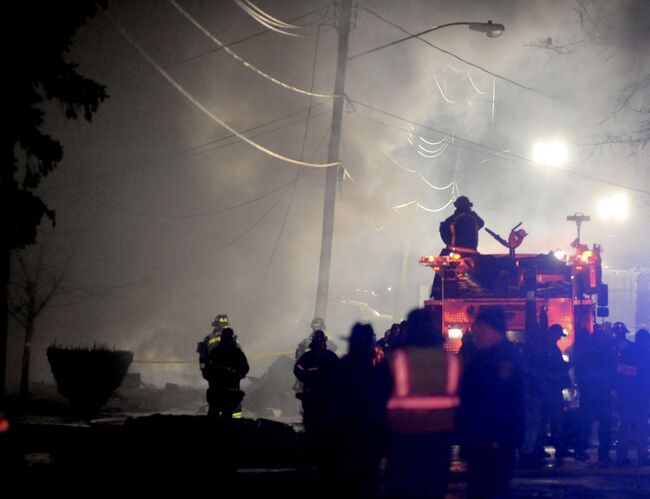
(394, 407)
(385, 415)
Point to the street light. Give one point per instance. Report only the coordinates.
(614, 207)
(553, 153)
(492, 30)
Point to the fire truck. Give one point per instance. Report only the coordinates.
(534, 290)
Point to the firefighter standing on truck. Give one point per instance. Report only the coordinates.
(421, 410)
(460, 231)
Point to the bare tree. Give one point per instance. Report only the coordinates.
(615, 28)
(31, 290)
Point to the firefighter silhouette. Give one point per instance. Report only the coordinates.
(226, 365)
(317, 324)
(204, 347)
(460, 231)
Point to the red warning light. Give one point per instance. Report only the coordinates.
(4, 424)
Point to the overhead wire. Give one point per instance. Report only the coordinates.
(199, 214)
(242, 40)
(194, 150)
(238, 58)
(510, 156)
(409, 170)
(268, 16)
(264, 21)
(469, 76)
(229, 243)
(442, 92)
(469, 63)
(210, 212)
(418, 205)
(434, 143)
(293, 187)
(205, 110)
(441, 149)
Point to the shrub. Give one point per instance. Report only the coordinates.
(88, 376)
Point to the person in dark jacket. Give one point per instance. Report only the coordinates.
(490, 419)
(421, 411)
(317, 370)
(362, 391)
(460, 230)
(598, 365)
(555, 378)
(633, 395)
(226, 366)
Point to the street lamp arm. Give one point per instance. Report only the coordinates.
(489, 28)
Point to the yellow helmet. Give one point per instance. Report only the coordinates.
(221, 321)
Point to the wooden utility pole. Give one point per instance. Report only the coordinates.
(333, 155)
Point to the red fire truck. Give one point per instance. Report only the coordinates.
(535, 290)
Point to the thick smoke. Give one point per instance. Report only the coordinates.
(132, 206)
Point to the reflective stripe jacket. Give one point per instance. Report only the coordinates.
(425, 390)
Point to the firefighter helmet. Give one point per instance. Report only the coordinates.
(317, 337)
(221, 321)
(463, 203)
(318, 323)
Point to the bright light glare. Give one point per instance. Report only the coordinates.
(614, 207)
(559, 254)
(455, 334)
(554, 153)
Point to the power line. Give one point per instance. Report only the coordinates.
(229, 243)
(293, 188)
(181, 152)
(241, 40)
(509, 155)
(267, 20)
(236, 140)
(220, 210)
(204, 109)
(200, 214)
(240, 59)
(444, 51)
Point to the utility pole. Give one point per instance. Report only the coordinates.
(333, 154)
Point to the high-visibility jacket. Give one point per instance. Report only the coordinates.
(425, 390)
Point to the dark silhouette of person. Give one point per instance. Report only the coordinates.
(226, 365)
(554, 377)
(204, 347)
(633, 395)
(531, 452)
(317, 370)
(468, 349)
(460, 231)
(363, 389)
(421, 411)
(490, 418)
(597, 372)
(579, 356)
